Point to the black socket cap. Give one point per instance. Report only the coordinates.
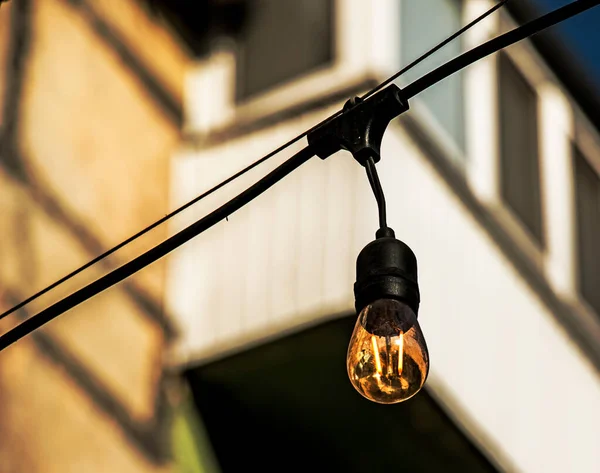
(386, 269)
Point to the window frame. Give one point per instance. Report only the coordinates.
(489, 186)
(587, 141)
(509, 216)
(359, 60)
(424, 118)
(578, 131)
(243, 60)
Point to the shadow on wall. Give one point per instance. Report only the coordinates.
(25, 197)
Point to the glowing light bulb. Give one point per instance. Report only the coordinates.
(387, 361)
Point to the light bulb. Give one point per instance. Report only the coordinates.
(387, 360)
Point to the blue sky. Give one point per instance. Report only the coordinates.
(582, 34)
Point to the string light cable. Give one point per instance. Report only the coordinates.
(175, 241)
(244, 170)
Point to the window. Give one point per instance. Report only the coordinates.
(420, 31)
(587, 182)
(281, 40)
(519, 155)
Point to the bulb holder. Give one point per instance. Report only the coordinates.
(386, 269)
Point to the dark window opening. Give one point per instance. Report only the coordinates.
(587, 200)
(519, 154)
(198, 22)
(282, 40)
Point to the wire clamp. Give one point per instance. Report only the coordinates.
(360, 128)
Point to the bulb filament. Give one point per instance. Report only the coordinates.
(389, 363)
(376, 353)
(400, 343)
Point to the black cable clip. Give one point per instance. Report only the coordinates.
(360, 128)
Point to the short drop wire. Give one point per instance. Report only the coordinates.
(240, 173)
(377, 191)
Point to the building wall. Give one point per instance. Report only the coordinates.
(4, 42)
(501, 362)
(514, 351)
(91, 114)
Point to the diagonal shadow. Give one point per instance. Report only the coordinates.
(155, 91)
(18, 52)
(152, 437)
(15, 164)
(50, 203)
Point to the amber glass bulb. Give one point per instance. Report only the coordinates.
(387, 358)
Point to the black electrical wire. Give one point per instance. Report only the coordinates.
(240, 173)
(496, 44)
(377, 190)
(157, 252)
(161, 221)
(270, 179)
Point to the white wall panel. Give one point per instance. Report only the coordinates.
(500, 361)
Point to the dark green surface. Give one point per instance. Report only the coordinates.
(288, 406)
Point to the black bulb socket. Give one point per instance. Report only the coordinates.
(386, 269)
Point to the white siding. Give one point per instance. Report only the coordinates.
(501, 364)
(500, 361)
